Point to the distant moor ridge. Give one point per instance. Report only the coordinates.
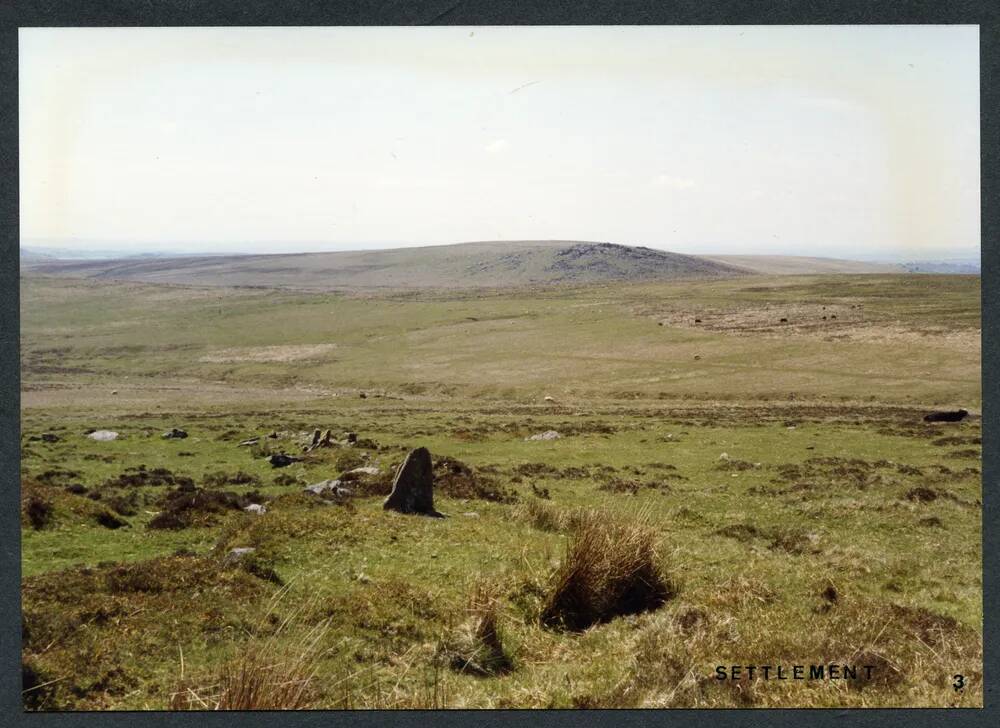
(502, 264)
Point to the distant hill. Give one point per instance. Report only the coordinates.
(28, 256)
(466, 265)
(501, 264)
(801, 265)
(943, 266)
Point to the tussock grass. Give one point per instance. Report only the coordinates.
(274, 673)
(611, 569)
(478, 647)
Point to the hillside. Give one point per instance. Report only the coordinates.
(801, 265)
(467, 265)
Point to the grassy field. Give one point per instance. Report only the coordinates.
(799, 509)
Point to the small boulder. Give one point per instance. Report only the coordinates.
(49, 437)
(251, 441)
(174, 434)
(351, 437)
(103, 435)
(547, 435)
(256, 508)
(366, 470)
(413, 487)
(237, 554)
(322, 487)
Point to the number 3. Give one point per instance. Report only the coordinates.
(959, 682)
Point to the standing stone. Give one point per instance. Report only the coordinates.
(315, 438)
(413, 488)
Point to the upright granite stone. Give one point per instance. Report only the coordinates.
(413, 488)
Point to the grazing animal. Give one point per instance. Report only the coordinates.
(282, 460)
(955, 416)
(784, 321)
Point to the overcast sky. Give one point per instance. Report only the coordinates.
(848, 141)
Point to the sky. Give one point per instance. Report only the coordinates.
(850, 141)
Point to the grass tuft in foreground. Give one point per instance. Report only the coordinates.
(611, 569)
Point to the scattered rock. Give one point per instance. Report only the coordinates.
(413, 487)
(103, 435)
(174, 434)
(366, 470)
(471, 514)
(362, 395)
(236, 554)
(49, 437)
(326, 486)
(549, 399)
(946, 416)
(320, 439)
(547, 435)
(256, 508)
(251, 441)
(351, 437)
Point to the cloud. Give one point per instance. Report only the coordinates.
(496, 146)
(677, 183)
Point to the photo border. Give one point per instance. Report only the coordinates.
(132, 13)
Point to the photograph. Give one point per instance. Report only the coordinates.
(499, 367)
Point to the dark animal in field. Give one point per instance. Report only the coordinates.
(413, 487)
(697, 321)
(44, 437)
(784, 321)
(174, 434)
(947, 416)
(281, 460)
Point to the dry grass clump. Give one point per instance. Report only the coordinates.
(276, 673)
(478, 649)
(611, 569)
(547, 517)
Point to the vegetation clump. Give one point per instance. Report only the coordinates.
(186, 508)
(611, 569)
(455, 479)
(478, 648)
(140, 476)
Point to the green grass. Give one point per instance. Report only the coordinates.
(822, 497)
